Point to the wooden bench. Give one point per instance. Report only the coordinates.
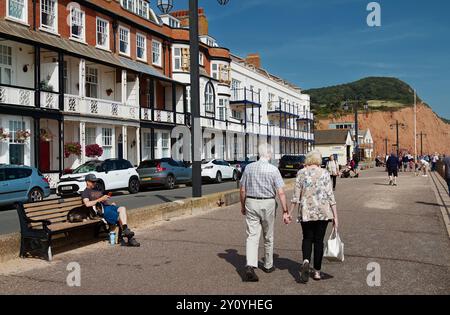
(41, 220)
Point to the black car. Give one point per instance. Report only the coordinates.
(291, 164)
(325, 161)
(240, 166)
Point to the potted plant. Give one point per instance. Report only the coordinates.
(4, 135)
(94, 151)
(45, 135)
(22, 135)
(46, 86)
(109, 91)
(72, 148)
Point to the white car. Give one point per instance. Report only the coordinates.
(218, 170)
(113, 174)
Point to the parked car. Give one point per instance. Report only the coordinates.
(113, 174)
(291, 164)
(22, 184)
(325, 161)
(164, 172)
(218, 170)
(240, 167)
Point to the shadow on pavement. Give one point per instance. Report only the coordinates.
(238, 261)
(379, 184)
(429, 203)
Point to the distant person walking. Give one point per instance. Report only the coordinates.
(434, 160)
(260, 184)
(333, 169)
(314, 197)
(447, 171)
(392, 167)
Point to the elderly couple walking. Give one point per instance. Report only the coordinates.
(314, 196)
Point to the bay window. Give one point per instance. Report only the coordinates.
(49, 15)
(215, 71)
(209, 98)
(177, 59)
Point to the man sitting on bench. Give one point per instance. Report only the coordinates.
(111, 212)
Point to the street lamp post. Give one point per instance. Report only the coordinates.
(196, 136)
(397, 126)
(386, 145)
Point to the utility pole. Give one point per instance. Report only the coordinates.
(397, 126)
(386, 145)
(421, 134)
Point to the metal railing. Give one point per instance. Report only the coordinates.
(245, 95)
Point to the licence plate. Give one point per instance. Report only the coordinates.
(289, 166)
(66, 188)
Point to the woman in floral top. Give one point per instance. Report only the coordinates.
(314, 197)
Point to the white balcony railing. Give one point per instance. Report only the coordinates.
(49, 100)
(16, 96)
(99, 107)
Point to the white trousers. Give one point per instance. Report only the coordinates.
(260, 216)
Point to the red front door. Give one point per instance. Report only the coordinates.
(44, 156)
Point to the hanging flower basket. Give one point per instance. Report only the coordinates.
(72, 148)
(46, 136)
(94, 151)
(4, 135)
(22, 135)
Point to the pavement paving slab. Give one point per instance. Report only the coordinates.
(399, 228)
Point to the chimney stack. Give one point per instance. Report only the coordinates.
(254, 59)
(183, 16)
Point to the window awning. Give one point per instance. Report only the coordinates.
(82, 50)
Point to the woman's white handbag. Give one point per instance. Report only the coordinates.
(334, 250)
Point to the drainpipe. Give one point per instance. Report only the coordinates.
(115, 26)
(34, 14)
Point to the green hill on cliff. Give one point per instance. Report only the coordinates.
(382, 93)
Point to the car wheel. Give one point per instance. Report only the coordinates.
(133, 186)
(218, 177)
(35, 195)
(170, 182)
(100, 186)
(235, 176)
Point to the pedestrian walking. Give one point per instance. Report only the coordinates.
(392, 165)
(260, 184)
(447, 171)
(434, 160)
(314, 197)
(333, 169)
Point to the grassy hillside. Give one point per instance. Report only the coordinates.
(382, 93)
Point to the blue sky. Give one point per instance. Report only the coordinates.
(316, 43)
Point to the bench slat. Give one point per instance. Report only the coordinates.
(61, 225)
(74, 204)
(49, 202)
(52, 216)
(45, 212)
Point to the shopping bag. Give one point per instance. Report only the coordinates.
(334, 250)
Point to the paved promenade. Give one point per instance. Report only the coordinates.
(400, 228)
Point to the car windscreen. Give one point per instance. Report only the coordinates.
(87, 167)
(205, 162)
